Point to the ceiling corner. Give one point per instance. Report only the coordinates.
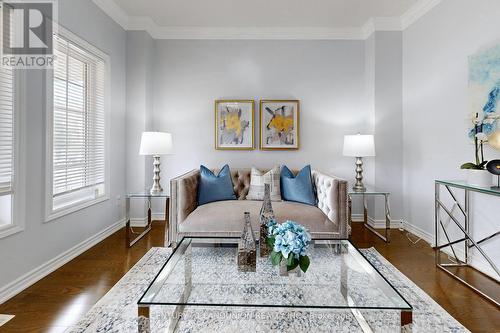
(114, 11)
(419, 9)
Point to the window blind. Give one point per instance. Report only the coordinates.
(6, 118)
(78, 120)
(6, 129)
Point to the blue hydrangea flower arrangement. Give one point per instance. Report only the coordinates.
(289, 242)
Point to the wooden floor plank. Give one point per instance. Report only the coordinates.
(61, 298)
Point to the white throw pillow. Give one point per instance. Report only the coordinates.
(257, 181)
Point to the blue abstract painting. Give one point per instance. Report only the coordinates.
(484, 86)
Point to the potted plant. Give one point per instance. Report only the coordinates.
(481, 127)
(289, 242)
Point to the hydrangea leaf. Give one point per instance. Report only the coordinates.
(276, 258)
(293, 265)
(304, 263)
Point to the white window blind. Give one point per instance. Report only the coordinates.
(6, 129)
(78, 124)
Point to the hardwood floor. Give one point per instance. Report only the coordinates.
(61, 298)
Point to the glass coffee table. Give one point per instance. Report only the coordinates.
(200, 282)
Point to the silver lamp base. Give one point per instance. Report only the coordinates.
(156, 188)
(359, 186)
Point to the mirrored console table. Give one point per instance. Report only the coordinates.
(130, 232)
(463, 224)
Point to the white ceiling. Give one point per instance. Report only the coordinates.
(264, 13)
(265, 19)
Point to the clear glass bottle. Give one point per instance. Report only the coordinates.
(266, 215)
(247, 249)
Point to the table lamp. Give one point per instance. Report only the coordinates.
(359, 146)
(156, 144)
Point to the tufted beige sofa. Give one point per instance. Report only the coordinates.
(225, 218)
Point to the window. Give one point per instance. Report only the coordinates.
(12, 170)
(78, 138)
(6, 144)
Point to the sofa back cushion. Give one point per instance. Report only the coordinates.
(298, 188)
(257, 180)
(215, 187)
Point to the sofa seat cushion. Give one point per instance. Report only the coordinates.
(225, 218)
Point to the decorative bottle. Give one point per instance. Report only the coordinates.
(266, 215)
(247, 249)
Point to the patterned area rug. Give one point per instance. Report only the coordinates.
(117, 310)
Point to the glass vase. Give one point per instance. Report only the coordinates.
(285, 272)
(266, 215)
(247, 249)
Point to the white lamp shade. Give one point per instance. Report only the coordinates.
(359, 145)
(156, 143)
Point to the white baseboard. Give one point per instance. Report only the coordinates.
(377, 224)
(23, 282)
(429, 238)
(143, 221)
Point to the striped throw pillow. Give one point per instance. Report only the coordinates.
(257, 181)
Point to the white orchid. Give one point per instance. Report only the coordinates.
(481, 137)
(477, 118)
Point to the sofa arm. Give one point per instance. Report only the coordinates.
(332, 199)
(183, 200)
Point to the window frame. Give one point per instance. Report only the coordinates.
(18, 192)
(50, 213)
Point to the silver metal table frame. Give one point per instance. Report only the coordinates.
(387, 234)
(469, 241)
(130, 232)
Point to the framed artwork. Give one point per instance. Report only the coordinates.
(279, 124)
(234, 124)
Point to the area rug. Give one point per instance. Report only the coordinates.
(117, 310)
(5, 318)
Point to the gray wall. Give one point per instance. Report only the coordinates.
(328, 77)
(40, 242)
(436, 106)
(139, 115)
(388, 112)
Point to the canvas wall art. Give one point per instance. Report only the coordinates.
(484, 91)
(279, 124)
(234, 124)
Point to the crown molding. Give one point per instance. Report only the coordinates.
(144, 23)
(114, 11)
(419, 9)
(287, 33)
(380, 24)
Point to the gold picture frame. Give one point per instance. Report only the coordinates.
(234, 124)
(279, 131)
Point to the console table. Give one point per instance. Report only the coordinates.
(148, 196)
(469, 241)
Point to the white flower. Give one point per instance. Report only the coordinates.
(482, 137)
(477, 118)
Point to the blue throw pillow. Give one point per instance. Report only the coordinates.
(215, 188)
(297, 188)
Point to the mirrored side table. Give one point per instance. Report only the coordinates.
(372, 192)
(130, 240)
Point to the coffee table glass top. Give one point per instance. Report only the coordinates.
(203, 271)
